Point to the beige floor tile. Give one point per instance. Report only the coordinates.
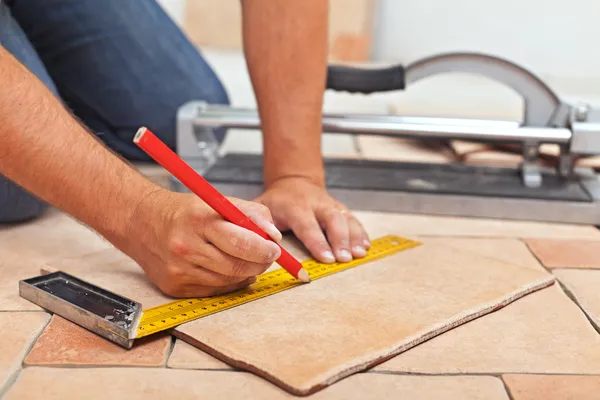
(18, 330)
(512, 251)
(168, 384)
(315, 334)
(26, 247)
(64, 343)
(553, 387)
(564, 253)
(585, 287)
(544, 332)
(418, 224)
(404, 150)
(185, 356)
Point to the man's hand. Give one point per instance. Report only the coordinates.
(188, 250)
(305, 208)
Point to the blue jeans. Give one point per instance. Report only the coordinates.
(116, 64)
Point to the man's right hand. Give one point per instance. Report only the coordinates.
(188, 250)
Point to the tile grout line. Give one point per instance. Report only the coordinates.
(573, 298)
(15, 375)
(506, 388)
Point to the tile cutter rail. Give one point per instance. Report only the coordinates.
(565, 193)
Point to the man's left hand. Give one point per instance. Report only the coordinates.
(325, 226)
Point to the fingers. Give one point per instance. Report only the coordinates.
(359, 239)
(306, 228)
(225, 268)
(338, 232)
(346, 234)
(241, 243)
(261, 216)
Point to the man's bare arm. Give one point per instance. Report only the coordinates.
(184, 247)
(285, 44)
(46, 151)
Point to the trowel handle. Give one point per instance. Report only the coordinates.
(365, 80)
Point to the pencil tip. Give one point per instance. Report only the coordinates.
(303, 276)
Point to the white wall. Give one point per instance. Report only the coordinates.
(556, 39)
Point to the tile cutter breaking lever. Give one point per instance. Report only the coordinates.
(563, 194)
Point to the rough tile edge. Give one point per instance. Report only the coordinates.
(356, 366)
(14, 376)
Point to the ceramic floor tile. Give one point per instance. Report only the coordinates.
(512, 251)
(404, 299)
(584, 286)
(24, 248)
(185, 356)
(429, 225)
(544, 332)
(564, 253)
(405, 150)
(64, 343)
(18, 330)
(169, 384)
(553, 387)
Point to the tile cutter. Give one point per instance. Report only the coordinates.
(564, 193)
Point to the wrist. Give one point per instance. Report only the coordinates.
(142, 221)
(296, 179)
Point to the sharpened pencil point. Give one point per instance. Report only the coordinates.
(303, 275)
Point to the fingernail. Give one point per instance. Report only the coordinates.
(345, 255)
(367, 243)
(359, 251)
(328, 256)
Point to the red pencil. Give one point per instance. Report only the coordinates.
(163, 155)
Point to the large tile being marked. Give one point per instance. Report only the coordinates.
(186, 356)
(544, 332)
(553, 387)
(308, 338)
(18, 330)
(429, 225)
(24, 248)
(64, 343)
(167, 384)
(585, 287)
(564, 253)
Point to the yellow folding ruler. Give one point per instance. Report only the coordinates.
(122, 320)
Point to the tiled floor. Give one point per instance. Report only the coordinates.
(544, 346)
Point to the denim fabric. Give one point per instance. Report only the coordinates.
(117, 64)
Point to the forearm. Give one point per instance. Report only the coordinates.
(46, 151)
(285, 44)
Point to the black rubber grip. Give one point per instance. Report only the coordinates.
(365, 80)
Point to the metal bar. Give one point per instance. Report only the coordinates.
(420, 127)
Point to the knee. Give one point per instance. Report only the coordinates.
(17, 205)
